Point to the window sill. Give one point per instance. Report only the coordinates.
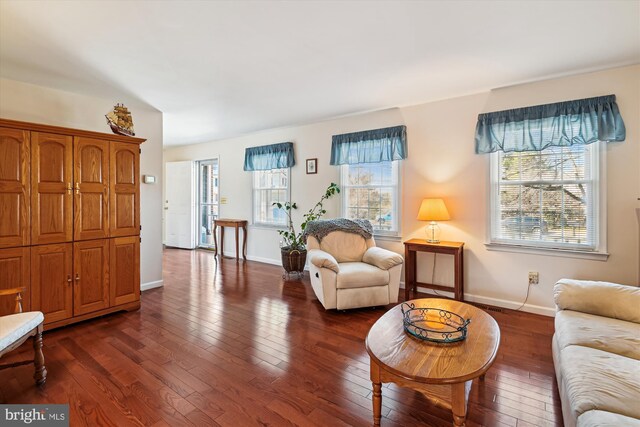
(384, 237)
(268, 226)
(387, 237)
(567, 253)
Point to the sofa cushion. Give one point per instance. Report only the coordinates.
(345, 247)
(360, 275)
(602, 333)
(15, 326)
(594, 379)
(600, 298)
(606, 419)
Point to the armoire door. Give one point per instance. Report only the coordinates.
(14, 273)
(52, 281)
(14, 188)
(91, 188)
(51, 188)
(91, 276)
(124, 182)
(124, 273)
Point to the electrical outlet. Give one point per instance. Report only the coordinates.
(534, 278)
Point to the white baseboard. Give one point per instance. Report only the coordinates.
(232, 254)
(496, 302)
(152, 285)
(261, 259)
(529, 308)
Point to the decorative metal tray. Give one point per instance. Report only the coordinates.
(433, 324)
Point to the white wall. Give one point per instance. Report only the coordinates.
(310, 142)
(442, 163)
(26, 102)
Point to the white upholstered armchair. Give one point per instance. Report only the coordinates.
(349, 271)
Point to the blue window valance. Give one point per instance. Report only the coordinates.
(265, 157)
(371, 146)
(562, 124)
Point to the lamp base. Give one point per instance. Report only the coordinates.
(433, 233)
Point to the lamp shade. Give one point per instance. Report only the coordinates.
(433, 210)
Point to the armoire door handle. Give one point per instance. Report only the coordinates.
(69, 279)
(77, 278)
(77, 188)
(69, 188)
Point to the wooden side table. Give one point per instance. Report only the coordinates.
(236, 224)
(413, 246)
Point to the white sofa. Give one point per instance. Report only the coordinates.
(596, 353)
(349, 271)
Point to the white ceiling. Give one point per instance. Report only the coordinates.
(220, 69)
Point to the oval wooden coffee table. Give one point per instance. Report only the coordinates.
(442, 372)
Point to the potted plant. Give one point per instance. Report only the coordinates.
(293, 250)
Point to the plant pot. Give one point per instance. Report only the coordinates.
(293, 260)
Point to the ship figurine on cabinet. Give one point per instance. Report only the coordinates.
(120, 120)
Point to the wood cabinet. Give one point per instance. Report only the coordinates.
(91, 276)
(52, 281)
(14, 187)
(14, 273)
(69, 221)
(91, 188)
(124, 270)
(124, 188)
(51, 188)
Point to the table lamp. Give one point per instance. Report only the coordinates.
(433, 210)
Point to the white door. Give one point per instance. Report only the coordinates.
(180, 205)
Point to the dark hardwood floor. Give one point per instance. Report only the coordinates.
(233, 344)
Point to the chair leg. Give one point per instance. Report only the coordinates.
(41, 372)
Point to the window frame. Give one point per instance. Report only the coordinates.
(199, 202)
(599, 249)
(397, 205)
(255, 222)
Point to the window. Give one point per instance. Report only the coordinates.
(547, 199)
(270, 186)
(370, 191)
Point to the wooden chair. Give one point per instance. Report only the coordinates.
(15, 329)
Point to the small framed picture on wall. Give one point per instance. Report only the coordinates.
(312, 166)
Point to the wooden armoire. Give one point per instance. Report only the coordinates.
(69, 221)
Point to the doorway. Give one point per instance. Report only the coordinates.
(208, 200)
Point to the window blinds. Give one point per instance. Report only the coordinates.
(266, 157)
(547, 198)
(371, 146)
(562, 124)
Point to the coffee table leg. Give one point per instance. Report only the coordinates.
(377, 393)
(459, 404)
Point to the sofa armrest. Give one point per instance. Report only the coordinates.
(382, 258)
(322, 259)
(599, 298)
